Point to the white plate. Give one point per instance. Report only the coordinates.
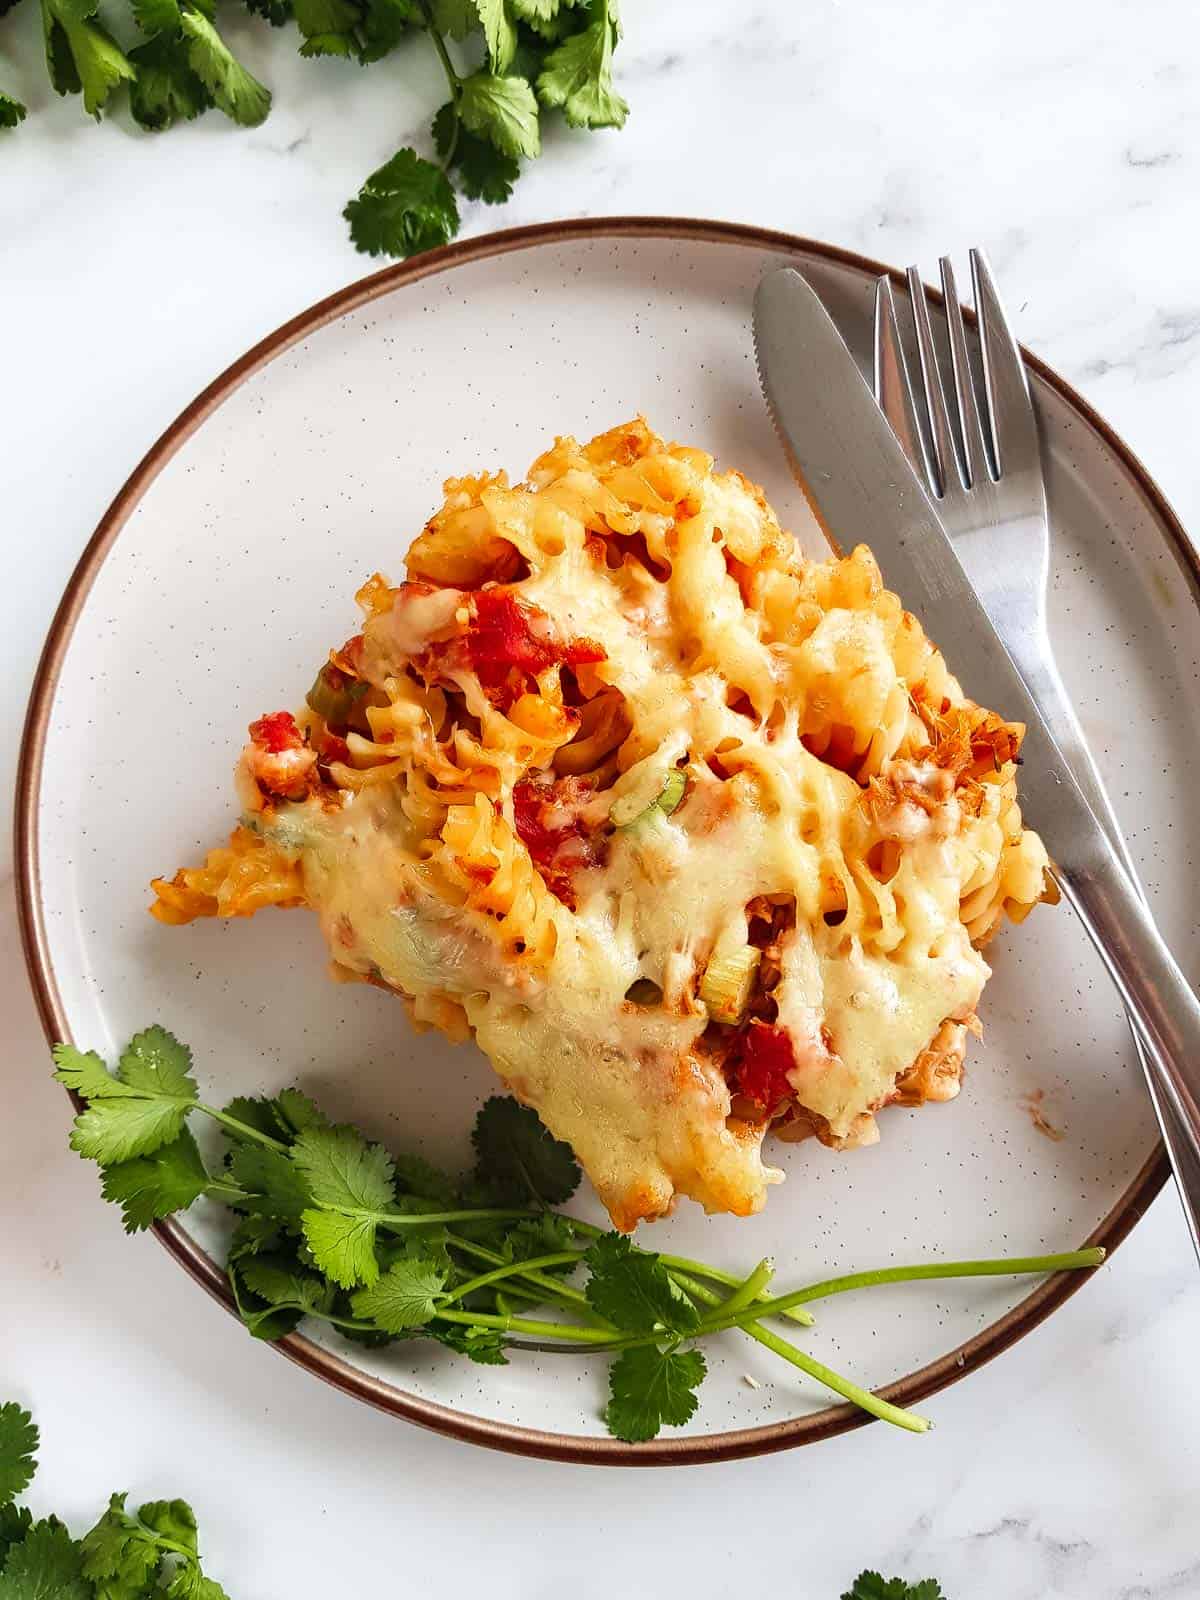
(217, 582)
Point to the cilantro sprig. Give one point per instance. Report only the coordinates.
(126, 1555)
(538, 57)
(334, 1228)
(872, 1586)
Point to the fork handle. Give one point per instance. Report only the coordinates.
(1157, 996)
(1039, 669)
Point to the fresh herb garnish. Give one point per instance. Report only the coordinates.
(334, 1227)
(538, 56)
(871, 1586)
(126, 1556)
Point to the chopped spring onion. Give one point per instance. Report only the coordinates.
(334, 695)
(726, 985)
(654, 791)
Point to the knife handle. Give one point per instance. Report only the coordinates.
(1158, 997)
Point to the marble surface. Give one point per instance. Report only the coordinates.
(132, 270)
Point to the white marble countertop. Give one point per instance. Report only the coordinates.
(132, 270)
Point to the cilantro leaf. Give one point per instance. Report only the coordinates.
(484, 1345)
(275, 1186)
(404, 207)
(296, 1112)
(384, 24)
(498, 31)
(343, 1170)
(84, 1073)
(343, 1247)
(11, 111)
(649, 1388)
(279, 1117)
(234, 90)
(171, 1519)
(18, 1445)
(117, 1555)
(125, 1554)
(277, 1281)
(158, 1185)
(517, 1158)
(503, 111)
(253, 1236)
(328, 26)
(166, 91)
(535, 11)
(189, 1583)
(15, 1523)
(257, 1111)
(418, 1177)
(276, 12)
(455, 17)
(45, 1565)
(156, 16)
(633, 1290)
(81, 55)
(578, 74)
(539, 1236)
(443, 128)
(406, 1296)
(154, 1062)
(140, 1109)
(873, 1586)
(483, 171)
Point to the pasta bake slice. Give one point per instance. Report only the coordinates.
(695, 837)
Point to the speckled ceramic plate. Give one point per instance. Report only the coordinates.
(227, 564)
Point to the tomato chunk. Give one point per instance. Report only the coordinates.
(276, 732)
(508, 643)
(553, 830)
(761, 1060)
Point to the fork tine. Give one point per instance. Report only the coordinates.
(1011, 422)
(893, 386)
(970, 427)
(945, 450)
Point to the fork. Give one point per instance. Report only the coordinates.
(981, 461)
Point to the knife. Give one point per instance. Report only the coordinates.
(859, 482)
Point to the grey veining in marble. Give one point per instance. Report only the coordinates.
(1064, 136)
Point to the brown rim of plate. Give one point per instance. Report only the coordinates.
(685, 1450)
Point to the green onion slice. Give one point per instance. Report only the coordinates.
(727, 982)
(654, 791)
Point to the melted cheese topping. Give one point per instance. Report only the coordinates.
(839, 785)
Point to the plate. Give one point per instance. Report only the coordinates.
(227, 564)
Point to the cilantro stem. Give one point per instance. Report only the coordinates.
(554, 1287)
(439, 44)
(681, 1267)
(1069, 1261)
(161, 1540)
(242, 1129)
(354, 1323)
(225, 1189)
(883, 1409)
(401, 1221)
(452, 79)
(511, 1269)
(750, 1289)
(545, 1330)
